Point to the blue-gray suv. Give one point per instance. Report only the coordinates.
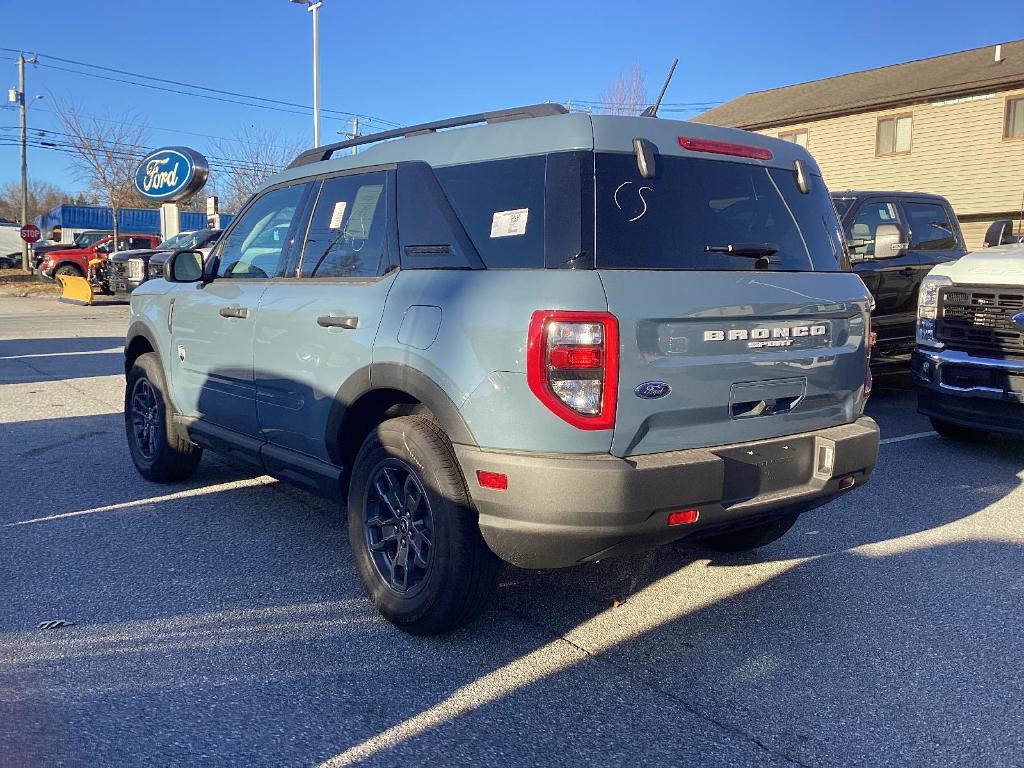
(524, 336)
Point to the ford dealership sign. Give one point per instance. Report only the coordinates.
(171, 174)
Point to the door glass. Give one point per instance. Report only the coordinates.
(930, 227)
(257, 246)
(347, 234)
(868, 218)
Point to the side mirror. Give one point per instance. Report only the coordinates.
(184, 266)
(999, 232)
(890, 242)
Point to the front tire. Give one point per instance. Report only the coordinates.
(160, 451)
(952, 431)
(414, 532)
(67, 269)
(753, 537)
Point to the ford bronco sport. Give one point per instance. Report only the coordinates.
(548, 339)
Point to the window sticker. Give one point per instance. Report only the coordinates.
(338, 214)
(363, 208)
(509, 223)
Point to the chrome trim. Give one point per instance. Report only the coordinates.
(940, 358)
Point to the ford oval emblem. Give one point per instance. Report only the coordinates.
(1018, 320)
(652, 390)
(171, 174)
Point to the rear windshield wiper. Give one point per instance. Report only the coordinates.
(750, 250)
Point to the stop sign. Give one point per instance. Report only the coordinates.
(30, 233)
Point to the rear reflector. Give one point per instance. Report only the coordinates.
(495, 480)
(683, 517)
(724, 148)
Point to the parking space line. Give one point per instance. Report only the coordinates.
(904, 438)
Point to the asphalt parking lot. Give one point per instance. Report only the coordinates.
(221, 620)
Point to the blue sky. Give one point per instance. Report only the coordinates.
(407, 62)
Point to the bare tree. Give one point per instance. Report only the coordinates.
(246, 162)
(626, 94)
(106, 155)
(42, 197)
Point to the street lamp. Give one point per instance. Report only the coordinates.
(314, 8)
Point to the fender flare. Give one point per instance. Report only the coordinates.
(139, 329)
(402, 378)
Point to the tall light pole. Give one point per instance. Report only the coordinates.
(314, 8)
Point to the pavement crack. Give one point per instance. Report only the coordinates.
(647, 683)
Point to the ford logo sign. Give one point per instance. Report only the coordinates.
(652, 390)
(171, 174)
(1018, 320)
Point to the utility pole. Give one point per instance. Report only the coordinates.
(355, 132)
(314, 8)
(23, 107)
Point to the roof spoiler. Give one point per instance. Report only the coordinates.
(317, 154)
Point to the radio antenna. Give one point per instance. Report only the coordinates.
(652, 111)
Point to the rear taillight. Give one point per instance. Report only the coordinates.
(572, 365)
(870, 341)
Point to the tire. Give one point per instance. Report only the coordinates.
(67, 269)
(755, 536)
(160, 451)
(956, 432)
(449, 574)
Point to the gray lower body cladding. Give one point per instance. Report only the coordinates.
(564, 509)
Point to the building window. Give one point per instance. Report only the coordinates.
(797, 137)
(893, 135)
(1014, 128)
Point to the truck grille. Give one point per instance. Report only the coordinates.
(980, 319)
(117, 268)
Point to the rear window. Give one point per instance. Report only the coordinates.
(692, 204)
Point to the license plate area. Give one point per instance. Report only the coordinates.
(766, 468)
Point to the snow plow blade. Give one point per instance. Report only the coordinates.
(75, 290)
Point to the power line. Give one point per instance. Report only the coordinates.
(267, 102)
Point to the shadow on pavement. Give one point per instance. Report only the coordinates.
(228, 626)
(24, 361)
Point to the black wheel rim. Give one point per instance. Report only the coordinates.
(399, 527)
(145, 418)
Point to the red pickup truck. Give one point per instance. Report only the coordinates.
(75, 261)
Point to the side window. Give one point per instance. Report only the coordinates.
(868, 218)
(930, 227)
(501, 205)
(139, 242)
(258, 245)
(347, 235)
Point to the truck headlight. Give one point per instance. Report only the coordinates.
(928, 307)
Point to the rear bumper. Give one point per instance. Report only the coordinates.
(562, 509)
(970, 390)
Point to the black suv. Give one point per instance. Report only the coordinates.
(895, 239)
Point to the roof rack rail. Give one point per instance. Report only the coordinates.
(317, 154)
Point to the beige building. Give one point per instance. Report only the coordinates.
(952, 125)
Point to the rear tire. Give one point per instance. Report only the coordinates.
(414, 532)
(753, 537)
(956, 432)
(160, 450)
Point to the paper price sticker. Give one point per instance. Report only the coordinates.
(509, 223)
(338, 214)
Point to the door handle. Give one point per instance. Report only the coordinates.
(349, 322)
(239, 312)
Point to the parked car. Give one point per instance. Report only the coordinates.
(895, 238)
(127, 270)
(75, 261)
(10, 246)
(84, 239)
(550, 339)
(969, 363)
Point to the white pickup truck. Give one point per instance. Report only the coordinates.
(969, 363)
(10, 246)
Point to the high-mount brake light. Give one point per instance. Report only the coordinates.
(572, 365)
(724, 148)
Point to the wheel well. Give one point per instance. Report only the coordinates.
(371, 409)
(71, 264)
(138, 346)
